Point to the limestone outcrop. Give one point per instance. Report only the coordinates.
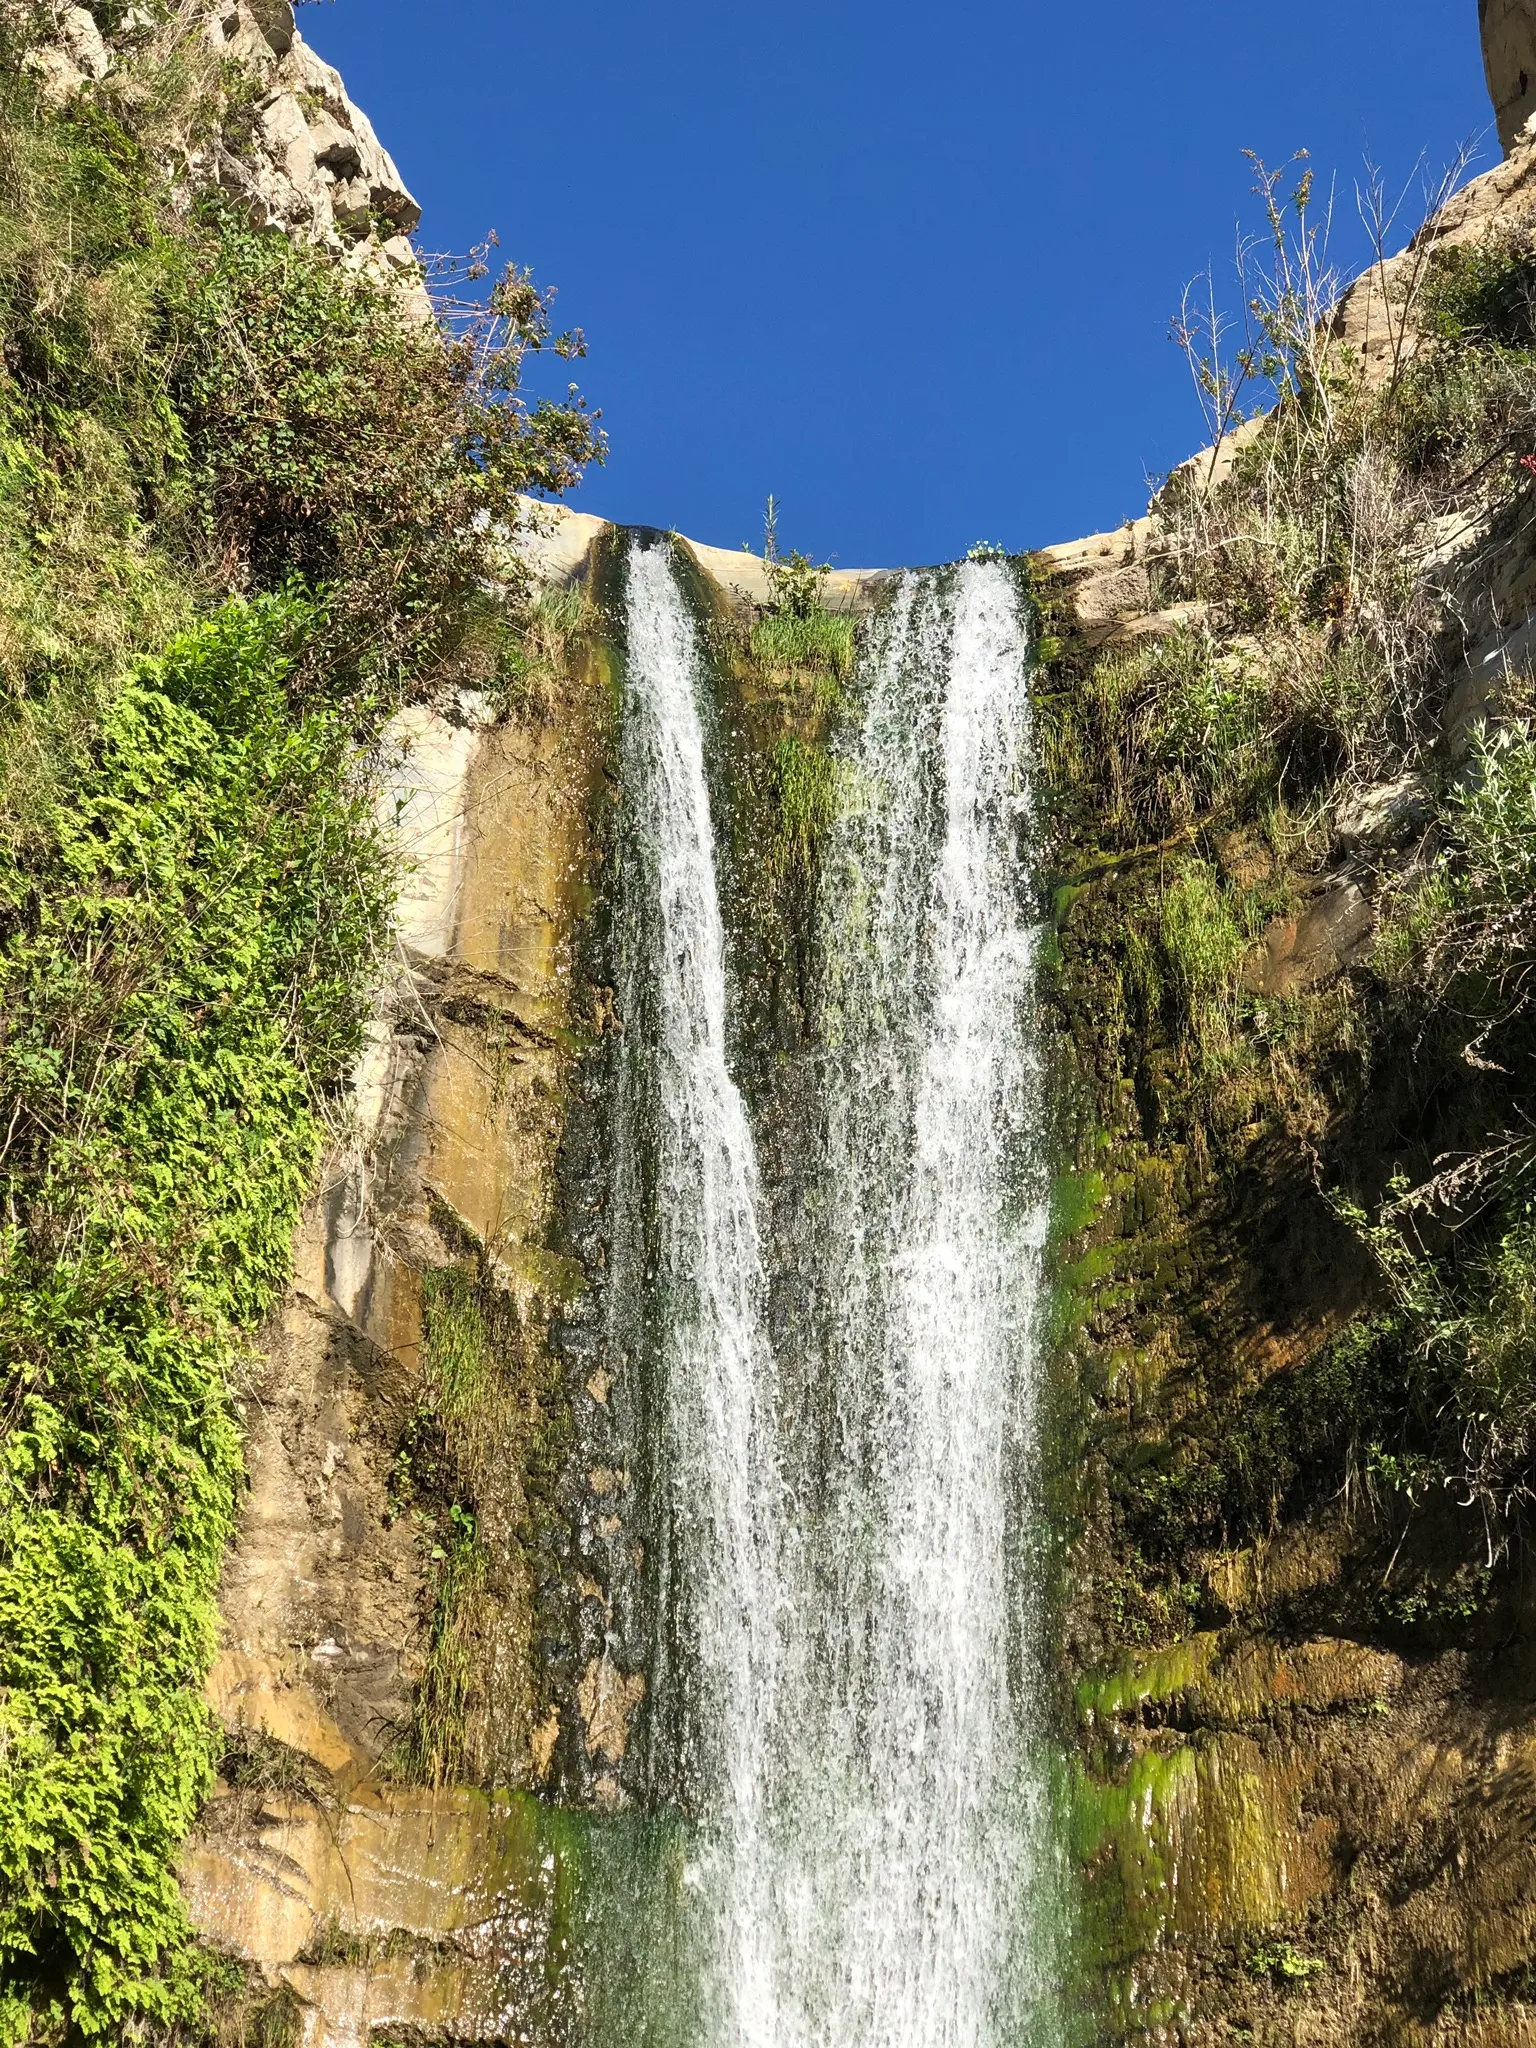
(1509, 59)
(305, 160)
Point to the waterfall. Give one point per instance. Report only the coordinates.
(849, 1577)
(913, 1854)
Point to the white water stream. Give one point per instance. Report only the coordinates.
(716, 1394)
(850, 1553)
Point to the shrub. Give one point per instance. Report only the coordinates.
(192, 898)
(327, 436)
(1162, 733)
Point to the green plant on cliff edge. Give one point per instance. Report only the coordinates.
(244, 503)
(804, 653)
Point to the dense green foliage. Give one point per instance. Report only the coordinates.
(370, 457)
(182, 971)
(245, 503)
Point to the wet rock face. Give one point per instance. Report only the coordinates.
(1305, 1789)
(1509, 59)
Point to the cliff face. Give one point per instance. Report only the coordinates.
(1304, 1651)
(1304, 1796)
(415, 1751)
(1509, 58)
(347, 1639)
(308, 164)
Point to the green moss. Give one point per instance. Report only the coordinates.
(1078, 1201)
(807, 788)
(1283, 1962)
(1120, 1833)
(1157, 1676)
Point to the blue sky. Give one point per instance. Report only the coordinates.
(908, 268)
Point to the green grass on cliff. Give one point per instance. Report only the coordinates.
(241, 505)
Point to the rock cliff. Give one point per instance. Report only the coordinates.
(308, 163)
(1295, 1823)
(1305, 1699)
(1509, 58)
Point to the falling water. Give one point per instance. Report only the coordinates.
(849, 1563)
(714, 1454)
(914, 1867)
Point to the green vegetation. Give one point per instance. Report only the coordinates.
(459, 1368)
(807, 789)
(1202, 947)
(1284, 1962)
(812, 641)
(244, 505)
(183, 980)
(1166, 731)
(796, 664)
(1327, 1144)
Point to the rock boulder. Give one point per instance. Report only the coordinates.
(1509, 58)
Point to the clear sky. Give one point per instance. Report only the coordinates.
(907, 267)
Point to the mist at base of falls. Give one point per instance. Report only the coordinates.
(846, 1693)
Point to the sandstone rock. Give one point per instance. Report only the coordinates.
(444, 1897)
(1484, 680)
(1384, 812)
(386, 187)
(335, 149)
(1276, 1570)
(1509, 62)
(317, 169)
(352, 208)
(275, 20)
(1299, 952)
(286, 136)
(1105, 577)
(83, 40)
(1129, 632)
(608, 1699)
(1212, 466)
(554, 541)
(78, 56)
(744, 576)
(1369, 321)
